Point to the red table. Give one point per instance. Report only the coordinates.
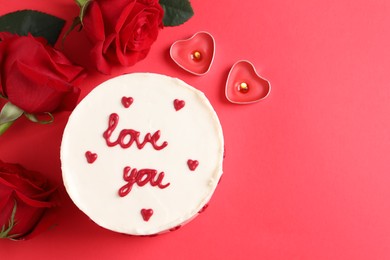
(307, 171)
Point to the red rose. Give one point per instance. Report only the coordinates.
(121, 31)
(24, 196)
(34, 76)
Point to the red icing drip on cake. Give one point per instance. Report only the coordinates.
(175, 228)
(133, 136)
(203, 208)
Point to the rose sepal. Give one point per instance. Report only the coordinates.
(4, 232)
(83, 4)
(35, 119)
(10, 113)
(4, 127)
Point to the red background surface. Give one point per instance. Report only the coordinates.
(307, 171)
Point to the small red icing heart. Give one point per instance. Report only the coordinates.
(127, 101)
(178, 104)
(146, 214)
(195, 54)
(91, 157)
(192, 164)
(244, 85)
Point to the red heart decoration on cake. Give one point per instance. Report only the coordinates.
(178, 104)
(195, 54)
(127, 101)
(192, 164)
(91, 157)
(146, 214)
(244, 85)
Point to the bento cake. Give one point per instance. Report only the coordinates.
(142, 154)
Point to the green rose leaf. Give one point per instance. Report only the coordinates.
(10, 113)
(176, 12)
(34, 22)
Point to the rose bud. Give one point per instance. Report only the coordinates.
(24, 197)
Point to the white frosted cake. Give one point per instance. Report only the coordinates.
(142, 154)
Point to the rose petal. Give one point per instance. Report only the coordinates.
(6, 206)
(26, 218)
(69, 100)
(101, 63)
(149, 2)
(6, 36)
(34, 203)
(111, 10)
(24, 48)
(17, 183)
(34, 76)
(34, 178)
(35, 92)
(45, 222)
(130, 57)
(10, 168)
(28, 194)
(125, 14)
(93, 24)
(5, 195)
(26, 186)
(110, 41)
(62, 67)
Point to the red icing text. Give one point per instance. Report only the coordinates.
(131, 136)
(141, 178)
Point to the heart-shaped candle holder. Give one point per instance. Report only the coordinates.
(195, 54)
(244, 85)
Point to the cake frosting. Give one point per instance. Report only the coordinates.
(142, 154)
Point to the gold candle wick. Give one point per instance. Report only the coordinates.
(243, 87)
(196, 55)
